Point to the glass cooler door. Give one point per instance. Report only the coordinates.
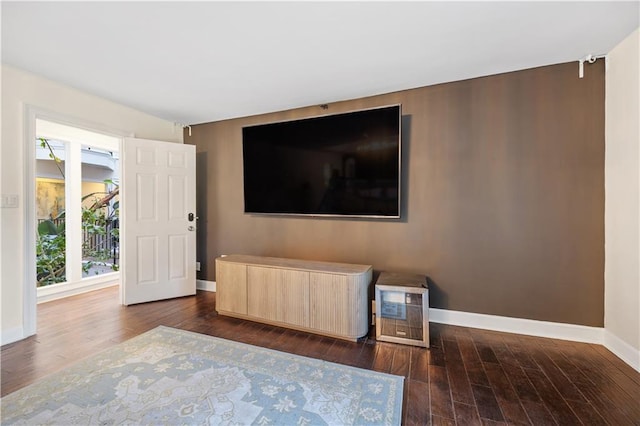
(401, 314)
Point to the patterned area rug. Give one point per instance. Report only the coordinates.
(169, 376)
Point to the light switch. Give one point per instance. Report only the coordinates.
(9, 201)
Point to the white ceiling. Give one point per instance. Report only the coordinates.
(206, 61)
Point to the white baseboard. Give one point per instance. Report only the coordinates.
(206, 285)
(54, 292)
(12, 335)
(555, 330)
(622, 350)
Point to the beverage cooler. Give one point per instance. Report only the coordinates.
(402, 309)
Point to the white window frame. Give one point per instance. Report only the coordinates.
(30, 292)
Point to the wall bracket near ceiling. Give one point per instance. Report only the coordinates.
(591, 59)
(184, 126)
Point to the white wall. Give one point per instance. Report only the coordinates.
(21, 89)
(622, 201)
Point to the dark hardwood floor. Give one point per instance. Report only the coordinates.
(467, 377)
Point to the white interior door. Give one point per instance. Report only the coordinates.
(158, 242)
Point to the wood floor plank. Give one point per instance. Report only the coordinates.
(506, 396)
(522, 354)
(521, 383)
(316, 345)
(486, 353)
(587, 414)
(436, 356)
(487, 404)
(558, 407)
(466, 414)
(419, 364)
(625, 368)
(417, 410)
(487, 422)
(565, 387)
(342, 352)
(366, 356)
(458, 379)
(611, 384)
(441, 404)
(472, 362)
(384, 357)
(401, 361)
(442, 421)
(565, 364)
(538, 413)
(608, 409)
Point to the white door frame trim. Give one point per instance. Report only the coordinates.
(31, 114)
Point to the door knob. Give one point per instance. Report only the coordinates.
(191, 228)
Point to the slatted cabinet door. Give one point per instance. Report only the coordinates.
(332, 299)
(231, 287)
(338, 303)
(292, 305)
(262, 291)
(280, 295)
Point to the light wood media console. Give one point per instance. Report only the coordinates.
(318, 297)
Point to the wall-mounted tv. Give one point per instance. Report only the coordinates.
(345, 165)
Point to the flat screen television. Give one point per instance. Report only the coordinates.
(337, 165)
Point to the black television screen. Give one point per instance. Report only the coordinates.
(344, 164)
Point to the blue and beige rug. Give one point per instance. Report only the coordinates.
(169, 376)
